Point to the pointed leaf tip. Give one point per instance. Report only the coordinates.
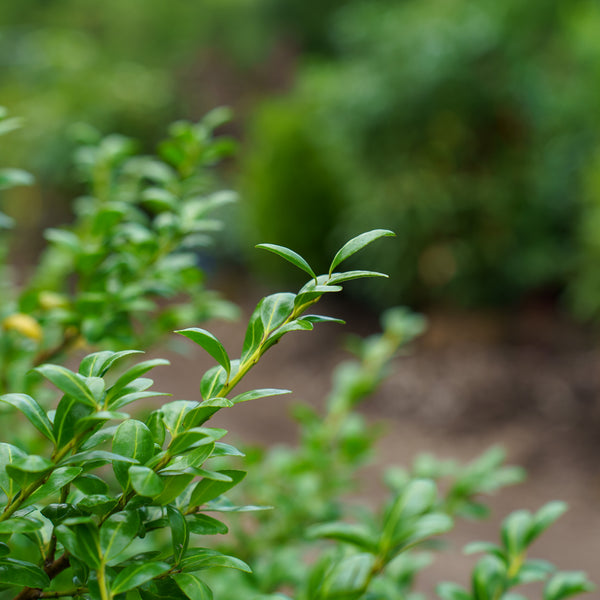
(357, 243)
(210, 343)
(290, 256)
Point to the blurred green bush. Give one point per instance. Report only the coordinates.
(469, 128)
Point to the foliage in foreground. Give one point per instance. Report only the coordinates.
(104, 505)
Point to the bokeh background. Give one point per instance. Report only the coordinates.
(470, 128)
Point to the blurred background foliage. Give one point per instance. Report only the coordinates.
(470, 128)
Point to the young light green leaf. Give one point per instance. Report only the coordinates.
(452, 591)
(544, 517)
(32, 410)
(131, 374)
(567, 583)
(349, 275)
(98, 363)
(275, 309)
(256, 394)
(210, 343)
(356, 244)
(290, 256)
(72, 384)
(136, 575)
(350, 533)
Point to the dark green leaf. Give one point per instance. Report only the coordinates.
(204, 525)
(18, 572)
(81, 539)
(20, 525)
(132, 439)
(27, 469)
(58, 479)
(68, 414)
(203, 558)
(98, 363)
(8, 453)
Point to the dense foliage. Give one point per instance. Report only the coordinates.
(98, 504)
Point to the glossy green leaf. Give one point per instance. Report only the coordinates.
(254, 333)
(32, 410)
(90, 459)
(356, 244)
(132, 439)
(204, 558)
(204, 525)
(81, 539)
(322, 319)
(117, 533)
(145, 481)
(180, 534)
(27, 469)
(98, 363)
(275, 309)
(336, 278)
(18, 572)
(208, 489)
(131, 374)
(194, 458)
(174, 414)
(290, 256)
(58, 479)
(210, 343)
(136, 575)
(72, 384)
(68, 414)
(192, 587)
(174, 485)
(90, 484)
(20, 525)
(256, 394)
(8, 454)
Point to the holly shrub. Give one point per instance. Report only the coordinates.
(96, 503)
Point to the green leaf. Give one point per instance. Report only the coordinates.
(210, 343)
(98, 363)
(70, 383)
(566, 584)
(204, 525)
(544, 517)
(27, 469)
(192, 587)
(90, 459)
(132, 439)
(32, 410)
(357, 535)
(174, 485)
(207, 489)
(80, 537)
(18, 572)
(8, 453)
(349, 576)
(174, 414)
(180, 535)
(194, 458)
(256, 394)
(136, 575)
(117, 533)
(254, 333)
(275, 309)
(130, 375)
(145, 481)
(322, 319)
(452, 591)
(290, 256)
(203, 558)
(349, 275)
(356, 244)
(212, 383)
(20, 525)
(90, 484)
(58, 479)
(222, 449)
(516, 531)
(68, 414)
